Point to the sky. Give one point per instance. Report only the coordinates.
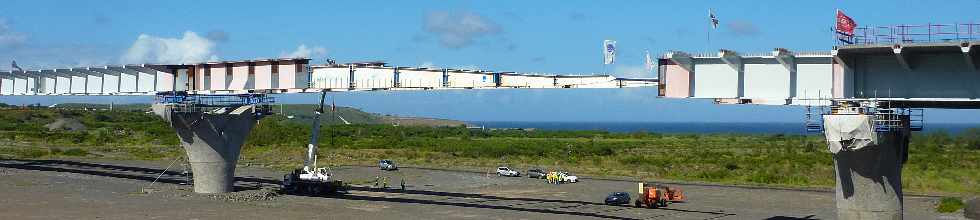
(526, 36)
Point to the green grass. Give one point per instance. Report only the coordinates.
(939, 163)
(949, 204)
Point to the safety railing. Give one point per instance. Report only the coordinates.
(913, 34)
(894, 119)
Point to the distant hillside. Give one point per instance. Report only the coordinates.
(356, 116)
(413, 121)
(123, 107)
(303, 112)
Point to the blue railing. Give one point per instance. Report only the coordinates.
(215, 100)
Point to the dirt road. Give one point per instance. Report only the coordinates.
(60, 189)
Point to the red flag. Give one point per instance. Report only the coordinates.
(845, 25)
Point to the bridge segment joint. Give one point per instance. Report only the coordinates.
(902, 58)
(684, 60)
(965, 48)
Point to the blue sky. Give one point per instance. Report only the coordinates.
(527, 36)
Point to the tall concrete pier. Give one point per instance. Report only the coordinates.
(868, 160)
(212, 137)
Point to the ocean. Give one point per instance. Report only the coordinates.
(692, 127)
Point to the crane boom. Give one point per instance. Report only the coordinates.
(314, 134)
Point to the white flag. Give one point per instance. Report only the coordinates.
(648, 62)
(609, 51)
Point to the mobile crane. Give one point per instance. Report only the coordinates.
(310, 179)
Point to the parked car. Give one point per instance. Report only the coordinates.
(387, 165)
(570, 178)
(618, 198)
(506, 171)
(536, 173)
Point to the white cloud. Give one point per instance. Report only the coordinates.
(743, 28)
(218, 35)
(467, 67)
(304, 51)
(427, 64)
(631, 71)
(191, 48)
(10, 38)
(459, 29)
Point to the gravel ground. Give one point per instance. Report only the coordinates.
(60, 189)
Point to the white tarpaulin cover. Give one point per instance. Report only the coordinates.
(848, 132)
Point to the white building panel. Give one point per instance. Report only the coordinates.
(48, 85)
(331, 77)
(527, 81)
(94, 83)
(164, 81)
(201, 79)
(32, 86)
(585, 81)
(239, 77)
(369, 77)
(111, 84)
(287, 76)
(676, 82)
(182, 82)
(814, 81)
(20, 86)
(218, 75)
(78, 84)
(128, 84)
(715, 81)
(263, 77)
(63, 85)
(147, 81)
(4, 84)
(420, 78)
(766, 81)
(470, 79)
(301, 76)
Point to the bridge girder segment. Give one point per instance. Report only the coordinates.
(105, 71)
(71, 74)
(87, 73)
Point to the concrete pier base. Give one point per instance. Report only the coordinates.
(868, 165)
(213, 141)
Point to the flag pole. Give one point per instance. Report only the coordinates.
(603, 53)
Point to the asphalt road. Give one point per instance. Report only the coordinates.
(59, 189)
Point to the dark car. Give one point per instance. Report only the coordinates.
(618, 198)
(536, 173)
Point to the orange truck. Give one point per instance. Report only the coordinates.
(658, 196)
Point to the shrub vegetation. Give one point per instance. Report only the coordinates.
(939, 162)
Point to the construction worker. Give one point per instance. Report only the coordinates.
(385, 179)
(403, 184)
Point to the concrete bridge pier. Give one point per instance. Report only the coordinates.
(868, 165)
(212, 140)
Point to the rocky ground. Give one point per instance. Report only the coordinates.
(62, 189)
